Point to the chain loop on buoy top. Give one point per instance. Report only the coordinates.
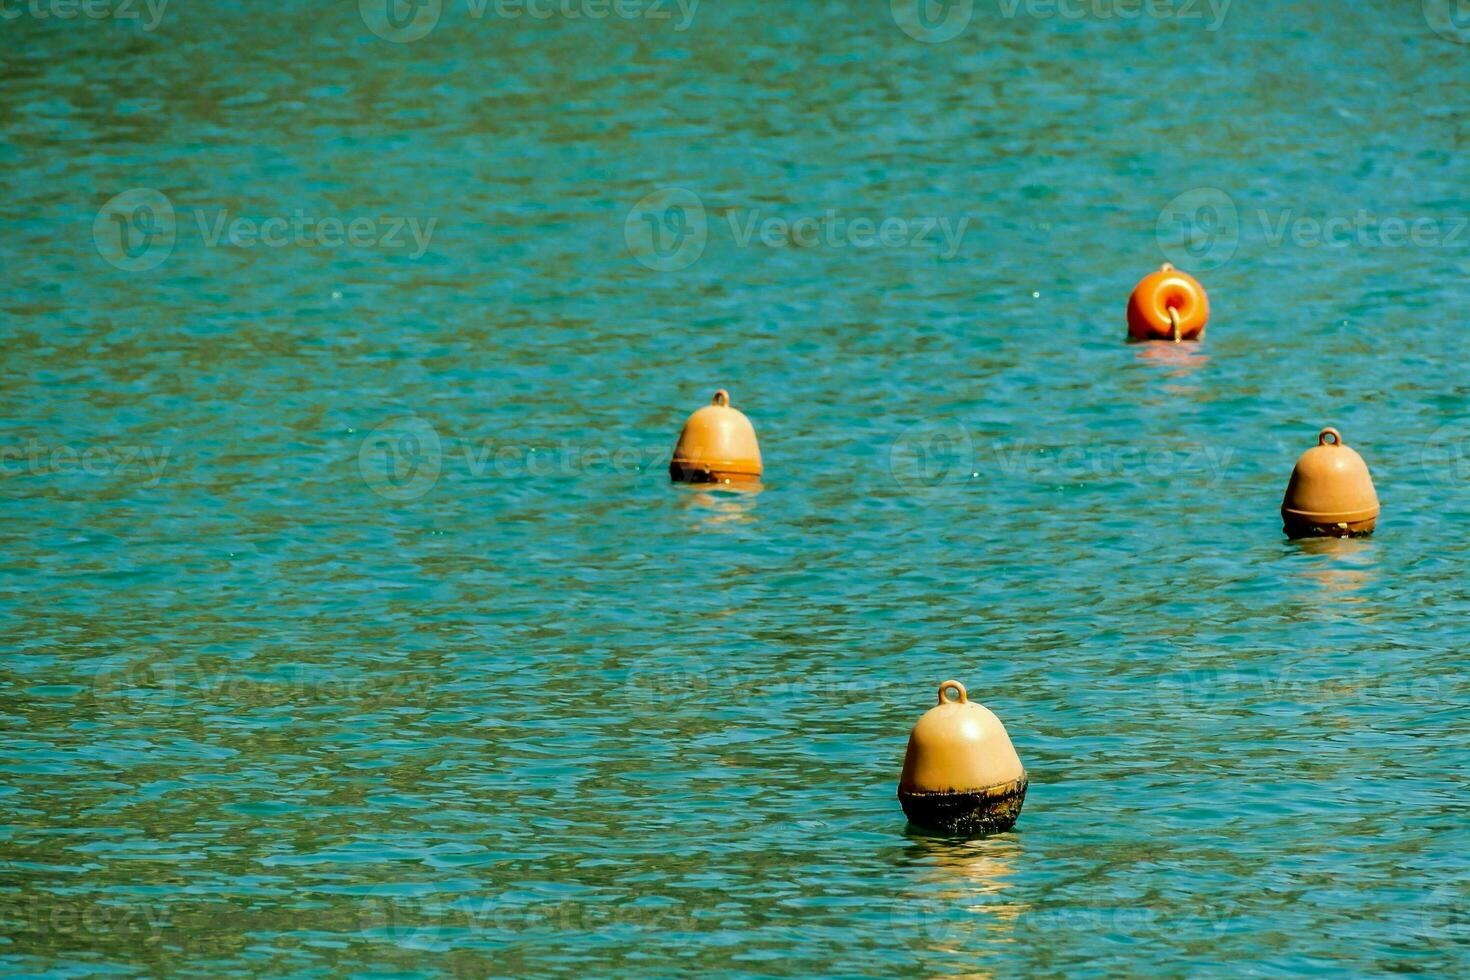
(1168, 305)
(1330, 493)
(717, 445)
(961, 774)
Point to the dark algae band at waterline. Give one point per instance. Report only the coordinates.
(967, 814)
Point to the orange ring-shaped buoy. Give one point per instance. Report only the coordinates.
(1156, 294)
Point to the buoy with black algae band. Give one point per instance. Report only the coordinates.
(1331, 493)
(717, 445)
(1168, 305)
(961, 774)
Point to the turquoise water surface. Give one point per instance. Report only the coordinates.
(354, 628)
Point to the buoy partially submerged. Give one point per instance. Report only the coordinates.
(1330, 493)
(1168, 305)
(717, 445)
(961, 775)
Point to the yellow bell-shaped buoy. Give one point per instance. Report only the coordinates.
(1331, 493)
(961, 774)
(717, 445)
